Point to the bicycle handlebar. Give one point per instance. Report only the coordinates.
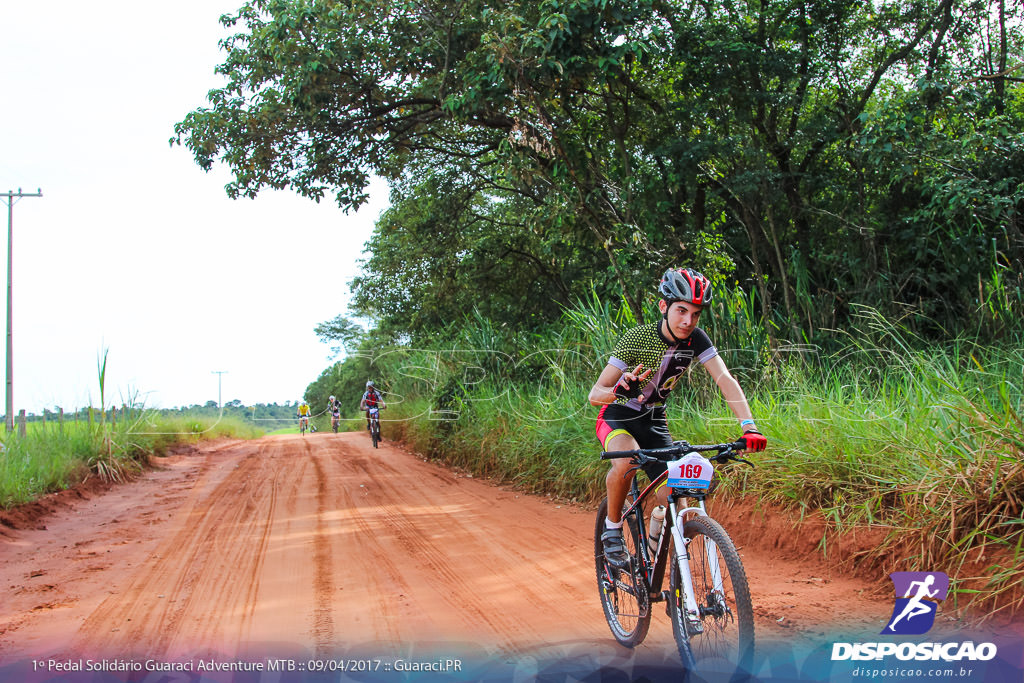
(726, 451)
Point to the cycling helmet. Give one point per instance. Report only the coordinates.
(369, 385)
(685, 284)
(331, 397)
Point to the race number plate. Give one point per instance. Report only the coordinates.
(692, 471)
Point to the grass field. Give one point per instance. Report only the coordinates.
(56, 456)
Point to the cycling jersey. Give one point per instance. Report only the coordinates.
(371, 399)
(304, 410)
(645, 420)
(668, 360)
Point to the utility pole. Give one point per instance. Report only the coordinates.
(11, 196)
(220, 374)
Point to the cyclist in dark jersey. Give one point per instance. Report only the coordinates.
(370, 399)
(647, 363)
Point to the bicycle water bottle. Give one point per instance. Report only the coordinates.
(657, 523)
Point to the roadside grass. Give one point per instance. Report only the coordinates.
(58, 456)
(925, 444)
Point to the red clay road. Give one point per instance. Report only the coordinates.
(307, 546)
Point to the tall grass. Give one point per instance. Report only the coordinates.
(51, 457)
(58, 456)
(924, 444)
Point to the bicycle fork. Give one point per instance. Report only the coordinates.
(693, 611)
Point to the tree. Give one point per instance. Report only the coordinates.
(533, 147)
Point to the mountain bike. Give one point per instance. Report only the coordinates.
(303, 424)
(374, 414)
(335, 421)
(708, 600)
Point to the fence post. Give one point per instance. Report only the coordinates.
(21, 423)
(60, 419)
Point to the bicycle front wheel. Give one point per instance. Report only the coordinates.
(720, 637)
(625, 596)
(375, 432)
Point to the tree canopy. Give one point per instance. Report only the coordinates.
(820, 153)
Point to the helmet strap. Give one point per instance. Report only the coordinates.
(668, 328)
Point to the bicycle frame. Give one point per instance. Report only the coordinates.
(654, 567)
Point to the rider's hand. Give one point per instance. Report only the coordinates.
(628, 385)
(755, 440)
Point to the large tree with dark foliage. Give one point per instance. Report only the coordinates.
(826, 152)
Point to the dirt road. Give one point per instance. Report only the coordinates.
(309, 546)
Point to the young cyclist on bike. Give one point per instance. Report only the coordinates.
(371, 398)
(646, 364)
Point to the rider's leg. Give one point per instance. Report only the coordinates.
(617, 483)
(619, 477)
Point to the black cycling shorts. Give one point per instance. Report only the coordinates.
(648, 427)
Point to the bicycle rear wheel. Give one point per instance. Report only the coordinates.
(375, 432)
(721, 637)
(624, 593)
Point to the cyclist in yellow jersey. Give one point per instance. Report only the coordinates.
(632, 389)
(304, 412)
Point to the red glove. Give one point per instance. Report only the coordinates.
(755, 440)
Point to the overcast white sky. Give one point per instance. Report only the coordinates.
(133, 248)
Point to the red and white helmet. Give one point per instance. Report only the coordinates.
(685, 284)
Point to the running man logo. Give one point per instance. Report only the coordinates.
(917, 598)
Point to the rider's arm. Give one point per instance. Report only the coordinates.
(603, 391)
(731, 391)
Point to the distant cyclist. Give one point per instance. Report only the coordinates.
(334, 408)
(303, 414)
(647, 363)
(371, 399)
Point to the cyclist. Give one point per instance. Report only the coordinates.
(303, 413)
(371, 398)
(648, 361)
(334, 408)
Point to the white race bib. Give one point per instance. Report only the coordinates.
(692, 471)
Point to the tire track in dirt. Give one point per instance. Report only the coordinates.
(323, 620)
(187, 573)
